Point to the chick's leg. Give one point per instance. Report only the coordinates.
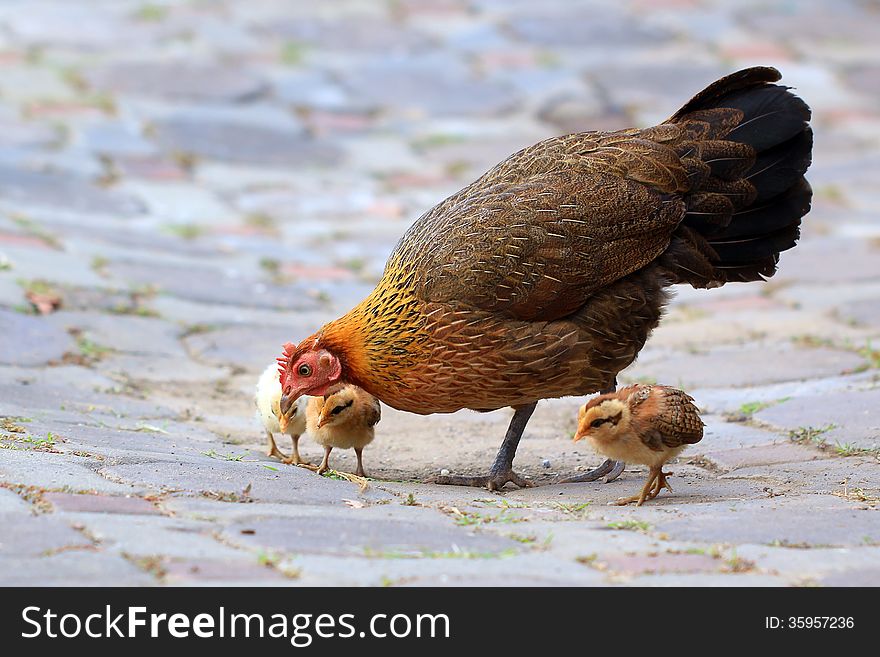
(610, 469)
(325, 463)
(501, 472)
(360, 454)
(649, 490)
(273, 448)
(294, 458)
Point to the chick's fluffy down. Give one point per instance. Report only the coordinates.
(352, 427)
(268, 402)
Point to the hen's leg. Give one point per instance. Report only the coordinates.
(502, 469)
(610, 469)
(273, 448)
(325, 463)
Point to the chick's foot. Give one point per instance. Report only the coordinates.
(609, 469)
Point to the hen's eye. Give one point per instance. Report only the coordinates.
(304, 370)
(596, 423)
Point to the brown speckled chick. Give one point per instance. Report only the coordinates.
(344, 419)
(644, 424)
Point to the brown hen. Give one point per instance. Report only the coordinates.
(641, 424)
(544, 277)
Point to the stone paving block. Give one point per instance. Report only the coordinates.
(349, 34)
(855, 577)
(820, 520)
(288, 484)
(731, 400)
(84, 503)
(212, 572)
(213, 285)
(237, 142)
(41, 397)
(744, 457)
(810, 563)
(38, 535)
(136, 335)
(162, 368)
(584, 29)
(715, 581)
(866, 313)
(57, 471)
(180, 80)
(854, 414)
(410, 86)
(64, 191)
(72, 568)
(639, 564)
(721, 435)
(744, 365)
(148, 536)
(834, 475)
(11, 502)
(372, 537)
(30, 340)
(250, 347)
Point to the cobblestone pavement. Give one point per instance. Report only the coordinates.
(185, 186)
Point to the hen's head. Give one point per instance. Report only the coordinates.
(602, 419)
(307, 369)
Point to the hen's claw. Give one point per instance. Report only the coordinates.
(609, 469)
(494, 482)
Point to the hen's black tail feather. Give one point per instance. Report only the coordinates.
(748, 144)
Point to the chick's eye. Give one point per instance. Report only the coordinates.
(596, 423)
(304, 370)
(337, 410)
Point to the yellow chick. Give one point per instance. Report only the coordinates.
(268, 403)
(646, 424)
(344, 419)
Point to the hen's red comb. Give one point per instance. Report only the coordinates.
(284, 361)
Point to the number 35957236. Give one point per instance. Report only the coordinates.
(809, 622)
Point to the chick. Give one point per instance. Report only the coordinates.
(344, 419)
(267, 400)
(641, 424)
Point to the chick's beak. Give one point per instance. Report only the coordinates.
(287, 402)
(577, 437)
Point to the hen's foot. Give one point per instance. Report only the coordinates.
(610, 469)
(493, 482)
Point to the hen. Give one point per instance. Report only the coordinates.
(641, 424)
(545, 277)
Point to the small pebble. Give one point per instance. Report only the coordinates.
(546, 463)
(444, 472)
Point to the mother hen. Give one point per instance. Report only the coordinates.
(545, 277)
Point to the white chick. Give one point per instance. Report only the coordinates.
(344, 419)
(268, 402)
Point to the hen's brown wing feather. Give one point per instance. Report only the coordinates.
(537, 235)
